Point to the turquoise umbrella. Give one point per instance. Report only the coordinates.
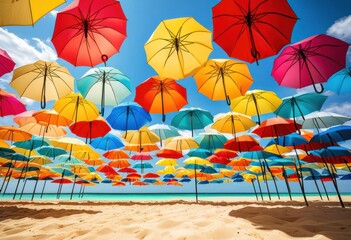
(142, 165)
(300, 105)
(211, 141)
(164, 131)
(318, 120)
(199, 152)
(51, 151)
(340, 82)
(104, 86)
(192, 118)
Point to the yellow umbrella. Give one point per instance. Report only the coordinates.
(74, 107)
(167, 170)
(25, 13)
(4, 144)
(25, 152)
(40, 160)
(223, 79)
(69, 144)
(42, 81)
(181, 143)
(143, 148)
(277, 149)
(233, 122)
(167, 162)
(256, 102)
(197, 161)
(86, 154)
(178, 47)
(140, 138)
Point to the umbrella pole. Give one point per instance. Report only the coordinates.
(7, 183)
(300, 176)
(348, 167)
(259, 186)
(325, 190)
(24, 185)
(58, 190)
(227, 98)
(265, 179)
(19, 179)
(103, 93)
(42, 191)
(74, 183)
(35, 187)
(80, 191)
(43, 91)
(197, 200)
(233, 126)
(315, 182)
(83, 192)
(253, 185)
(287, 183)
(6, 176)
(273, 177)
(332, 175)
(293, 110)
(258, 113)
(304, 58)
(162, 104)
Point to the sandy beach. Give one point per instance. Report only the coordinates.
(213, 219)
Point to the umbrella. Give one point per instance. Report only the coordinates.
(177, 47)
(232, 122)
(44, 130)
(169, 153)
(199, 152)
(25, 117)
(309, 62)
(167, 162)
(42, 81)
(107, 142)
(181, 143)
(119, 163)
(141, 137)
(275, 127)
(256, 102)
(318, 120)
(9, 104)
(89, 32)
(51, 117)
(50, 151)
(164, 131)
(116, 154)
(192, 118)
(223, 79)
(90, 129)
(252, 30)
(128, 116)
(25, 13)
(14, 134)
(104, 86)
(242, 143)
(333, 135)
(75, 108)
(6, 62)
(210, 141)
(161, 95)
(300, 105)
(148, 147)
(69, 144)
(340, 82)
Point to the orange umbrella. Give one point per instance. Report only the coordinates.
(120, 163)
(51, 117)
(38, 129)
(14, 134)
(161, 95)
(24, 118)
(116, 154)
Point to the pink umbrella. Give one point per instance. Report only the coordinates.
(310, 61)
(9, 104)
(6, 63)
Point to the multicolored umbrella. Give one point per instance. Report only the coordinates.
(223, 79)
(25, 13)
(6, 62)
(42, 81)
(252, 30)
(340, 82)
(9, 104)
(89, 32)
(256, 102)
(104, 86)
(177, 47)
(161, 95)
(192, 118)
(309, 62)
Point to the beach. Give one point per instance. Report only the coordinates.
(176, 219)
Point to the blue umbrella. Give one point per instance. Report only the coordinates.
(192, 118)
(340, 82)
(333, 135)
(199, 152)
(210, 141)
(51, 151)
(208, 169)
(104, 86)
(33, 143)
(142, 165)
(107, 142)
(128, 116)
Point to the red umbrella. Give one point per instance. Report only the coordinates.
(310, 61)
(275, 127)
(169, 153)
(88, 32)
(252, 29)
(127, 170)
(9, 104)
(106, 169)
(220, 160)
(242, 143)
(141, 156)
(151, 175)
(90, 129)
(161, 95)
(225, 153)
(6, 63)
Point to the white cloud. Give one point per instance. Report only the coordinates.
(340, 108)
(21, 50)
(5, 80)
(27, 101)
(342, 29)
(310, 89)
(54, 13)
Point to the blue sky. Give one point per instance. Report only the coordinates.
(27, 44)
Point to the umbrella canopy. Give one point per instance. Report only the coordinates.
(169, 153)
(309, 62)
(75, 108)
(50, 151)
(25, 117)
(177, 47)
(107, 142)
(51, 117)
(300, 105)
(210, 141)
(167, 162)
(232, 122)
(116, 154)
(256, 102)
(252, 30)
(44, 130)
(199, 152)
(141, 137)
(333, 135)
(128, 116)
(242, 143)
(42, 81)
(181, 143)
(90, 129)
(223, 79)
(192, 118)
(340, 82)
(89, 32)
(69, 144)
(14, 134)
(9, 104)
(25, 13)
(164, 131)
(161, 95)
(6, 62)
(323, 120)
(104, 86)
(275, 127)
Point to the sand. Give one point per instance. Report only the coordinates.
(169, 220)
